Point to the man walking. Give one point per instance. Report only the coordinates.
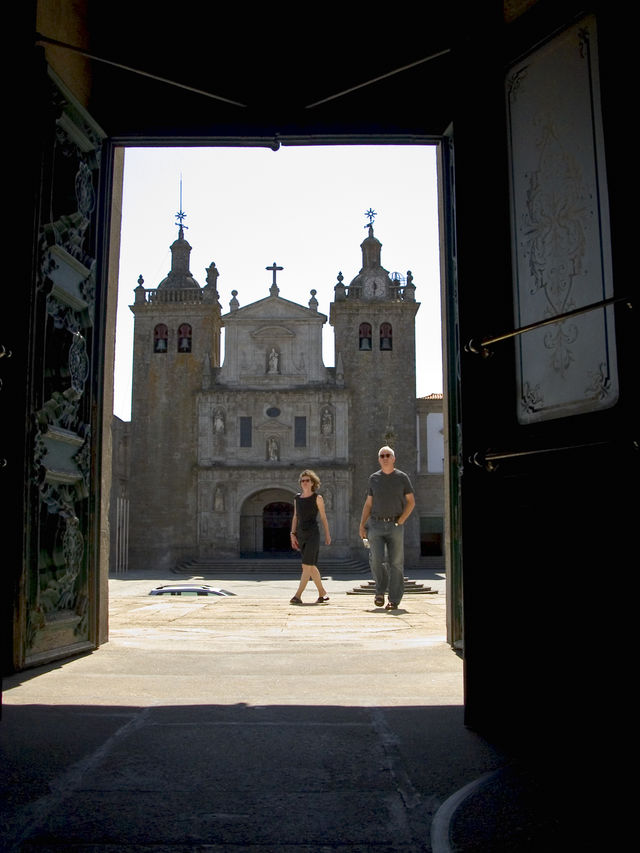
(390, 501)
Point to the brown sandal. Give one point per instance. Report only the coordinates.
(391, 606)
(323, 599)
(379, 601)
(295, 600)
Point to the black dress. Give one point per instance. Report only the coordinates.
(307, 530)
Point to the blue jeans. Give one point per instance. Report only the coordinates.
(386, 541)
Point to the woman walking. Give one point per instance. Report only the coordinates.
(305, 533)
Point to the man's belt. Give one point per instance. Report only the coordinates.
(385, 518)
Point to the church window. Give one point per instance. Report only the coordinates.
(386, 336)
(364, 336)
(300, 432)
(245, 431)
(160, 338)
(184, 338)
(273, 412)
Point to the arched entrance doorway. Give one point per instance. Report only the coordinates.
(276, 524)
(265, 522)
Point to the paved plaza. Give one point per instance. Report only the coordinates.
(241, 722)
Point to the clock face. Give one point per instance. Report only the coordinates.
(373, 287)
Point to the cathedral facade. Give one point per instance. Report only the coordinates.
(216, 445)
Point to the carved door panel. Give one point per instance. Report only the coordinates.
(56, 616)
(545, 355)
(561, 243)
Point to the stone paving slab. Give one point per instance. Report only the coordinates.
(241, 723)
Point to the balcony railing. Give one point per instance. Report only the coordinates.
(192, 296)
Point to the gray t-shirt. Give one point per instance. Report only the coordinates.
(388, 491)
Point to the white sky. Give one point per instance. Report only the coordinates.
(302, 207)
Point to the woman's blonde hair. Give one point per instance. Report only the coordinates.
(315, 480)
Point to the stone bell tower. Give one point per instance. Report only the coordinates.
(374, 322)
(176, 341)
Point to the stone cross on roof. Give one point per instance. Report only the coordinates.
(274, 290)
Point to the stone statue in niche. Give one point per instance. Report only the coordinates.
(218, 422)
(218, 500)
(326, 422)
(273, 361)
(328, 499)
(273, 449)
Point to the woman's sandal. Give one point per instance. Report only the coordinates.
(391, 606)
(295, 600)
(323, 599)
(379, 601)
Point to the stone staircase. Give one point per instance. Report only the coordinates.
(265, 565)
(290, 566)
(409, 588)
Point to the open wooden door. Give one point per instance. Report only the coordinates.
(55, 377)
(451, 372)
(545, 382)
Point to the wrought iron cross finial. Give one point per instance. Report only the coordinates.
(371, 215)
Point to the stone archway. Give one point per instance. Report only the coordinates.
(265, 522)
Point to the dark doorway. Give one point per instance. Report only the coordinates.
(276, 525)
(431, 536)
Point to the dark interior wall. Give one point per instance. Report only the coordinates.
(264, 75)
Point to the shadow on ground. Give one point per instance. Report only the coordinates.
(269, 778)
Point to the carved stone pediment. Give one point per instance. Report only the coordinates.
(273, 307)
(272, 331)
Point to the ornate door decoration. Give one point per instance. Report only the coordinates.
(560, 230)
(60, 570)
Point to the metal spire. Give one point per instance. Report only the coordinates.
(181, 215)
